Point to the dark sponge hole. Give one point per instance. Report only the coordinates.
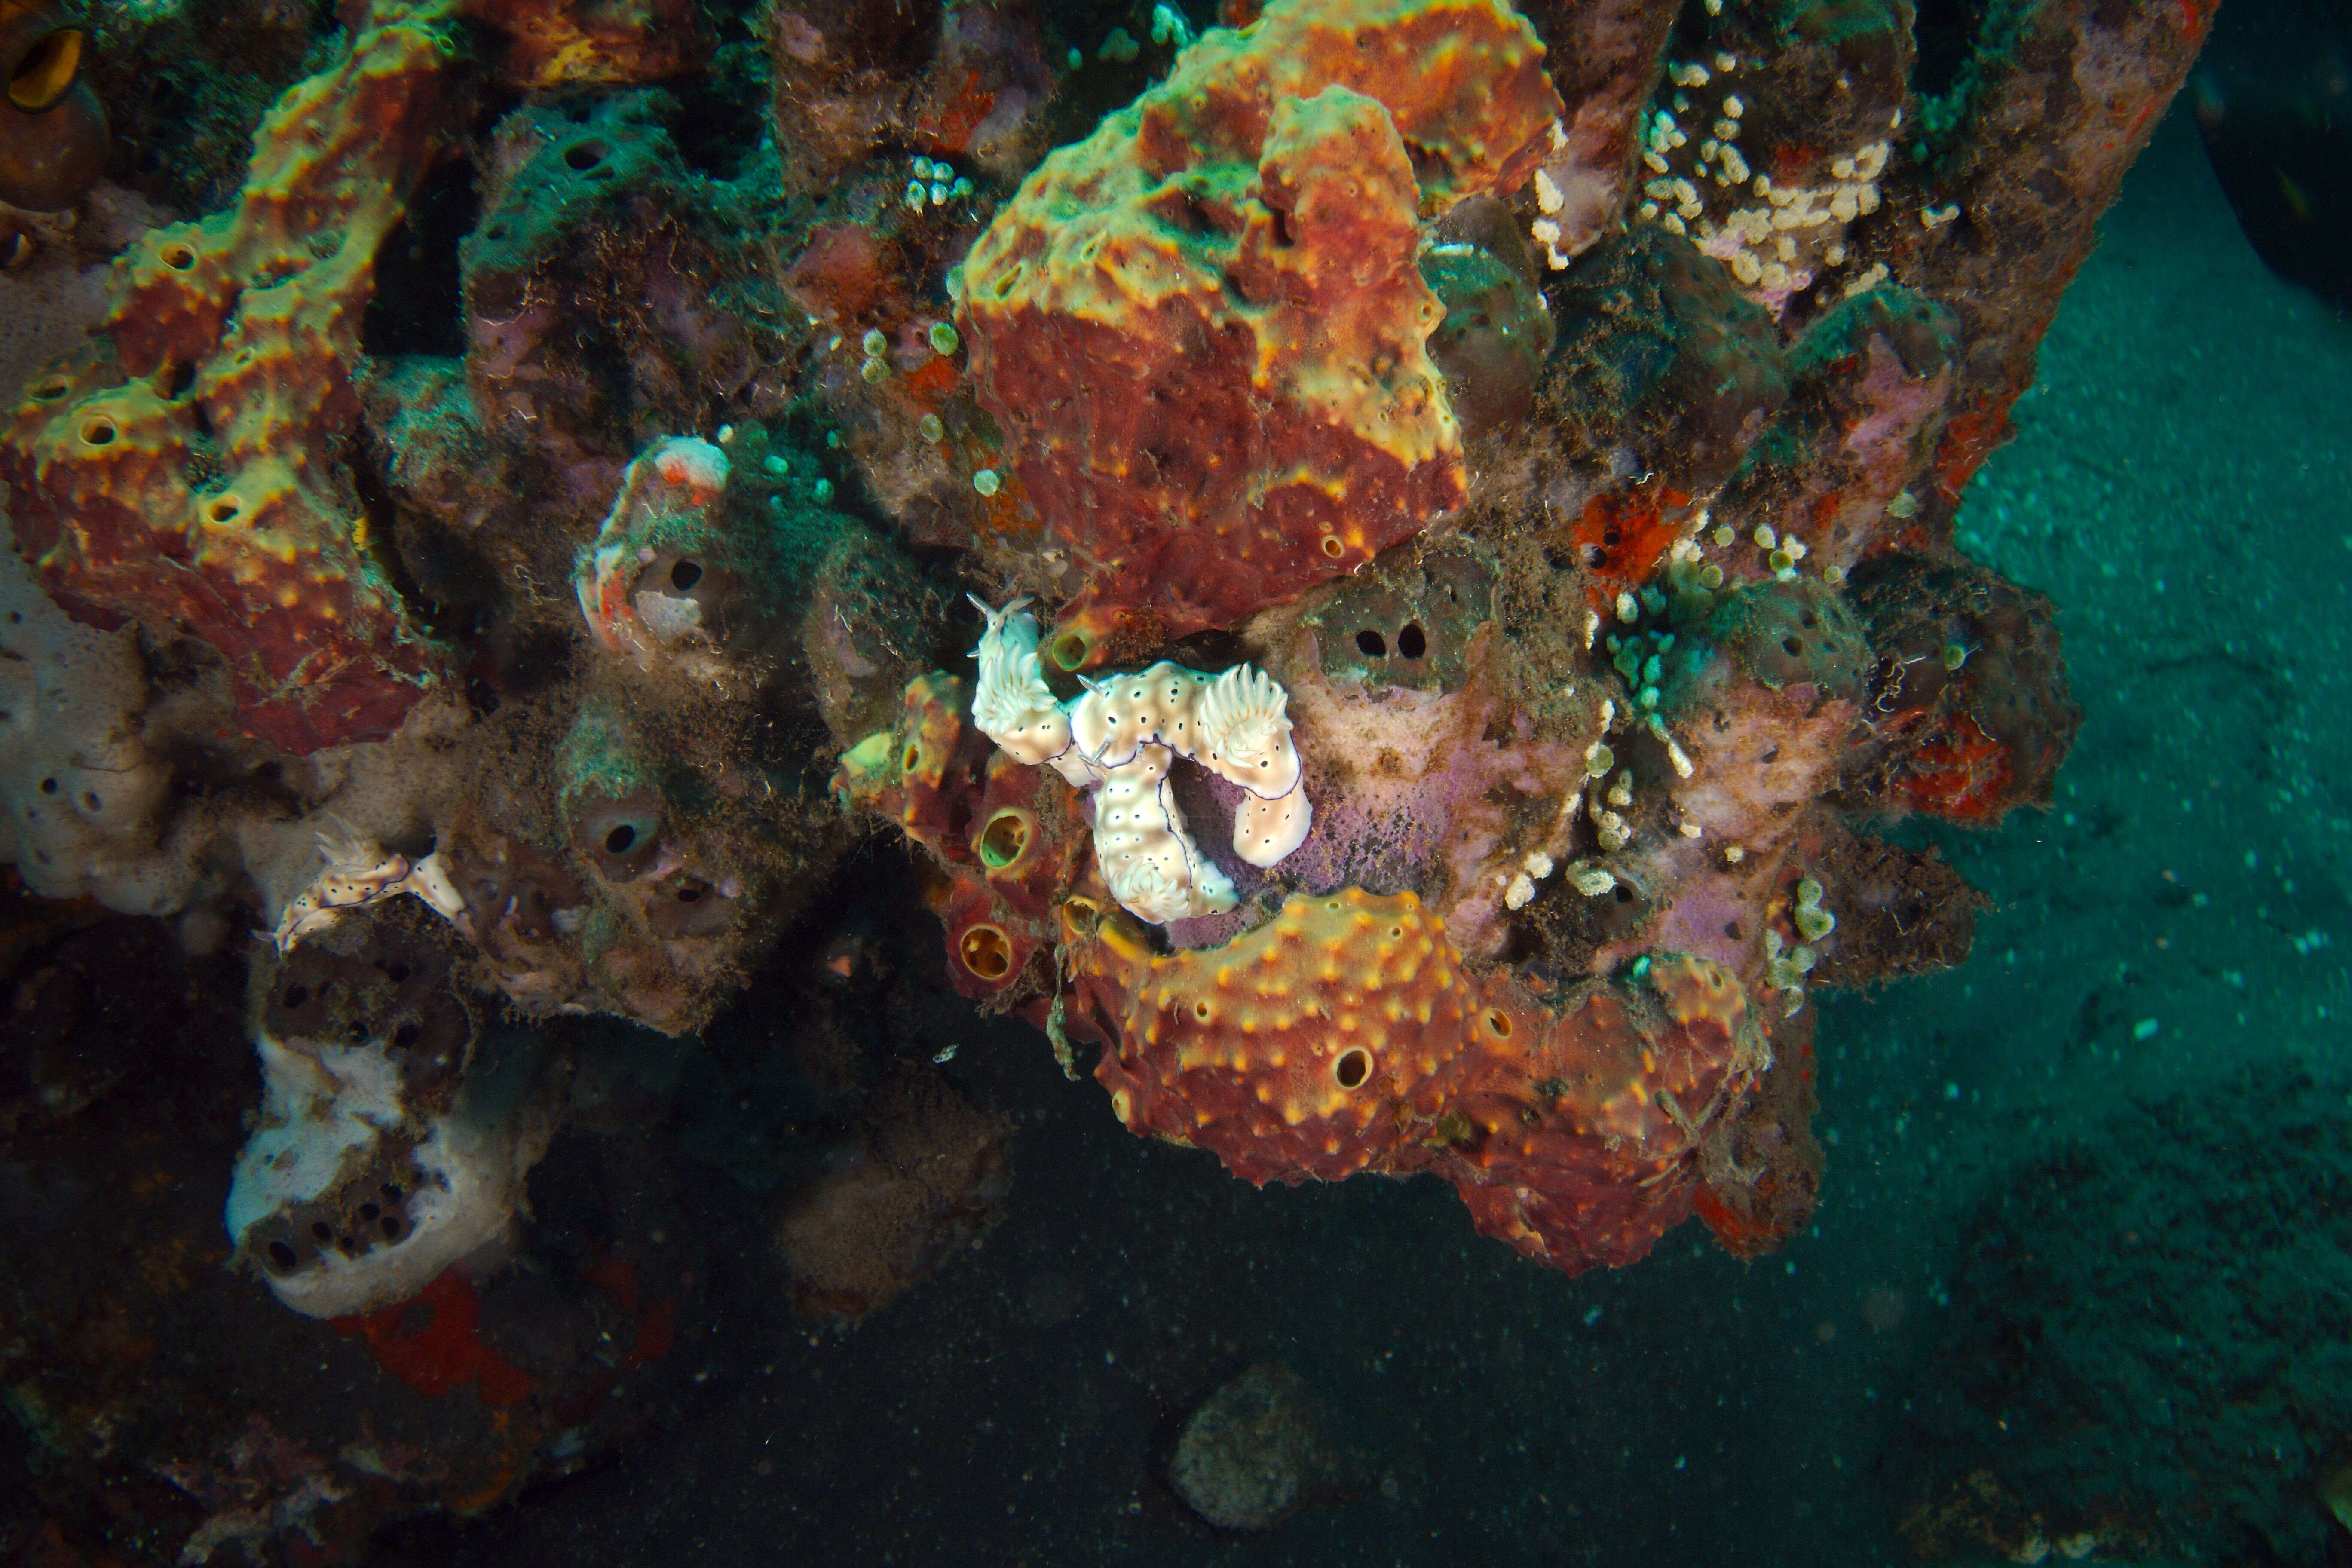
(1373, 643)
(1947, 32)
(684, 575)
(1411, 642)
(419, 304)
(621, 841)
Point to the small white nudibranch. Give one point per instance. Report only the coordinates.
(1119, 738)
(360, 872)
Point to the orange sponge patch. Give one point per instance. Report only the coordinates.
(1344, 1036)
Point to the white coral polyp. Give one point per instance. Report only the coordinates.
(1120, 737)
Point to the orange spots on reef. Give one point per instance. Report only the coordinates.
(931, 383)
(1620, 539)
(433, 1344)
(1825, 508)
(657, 1332)
(846, 275)
(1744, 1235)
(465, 1505)
(1968, 441)
(950, 129)
(1959, 773)
(1791, 161)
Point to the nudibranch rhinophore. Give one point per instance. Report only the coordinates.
(1119, 738)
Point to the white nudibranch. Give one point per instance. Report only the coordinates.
(358, 872)
(1119, 738)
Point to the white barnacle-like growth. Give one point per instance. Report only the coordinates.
(1120, 737)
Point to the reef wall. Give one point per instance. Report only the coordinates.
(1611, 603)
(512, 552)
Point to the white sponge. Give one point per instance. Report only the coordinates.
(349, 1198)
(84, 797)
